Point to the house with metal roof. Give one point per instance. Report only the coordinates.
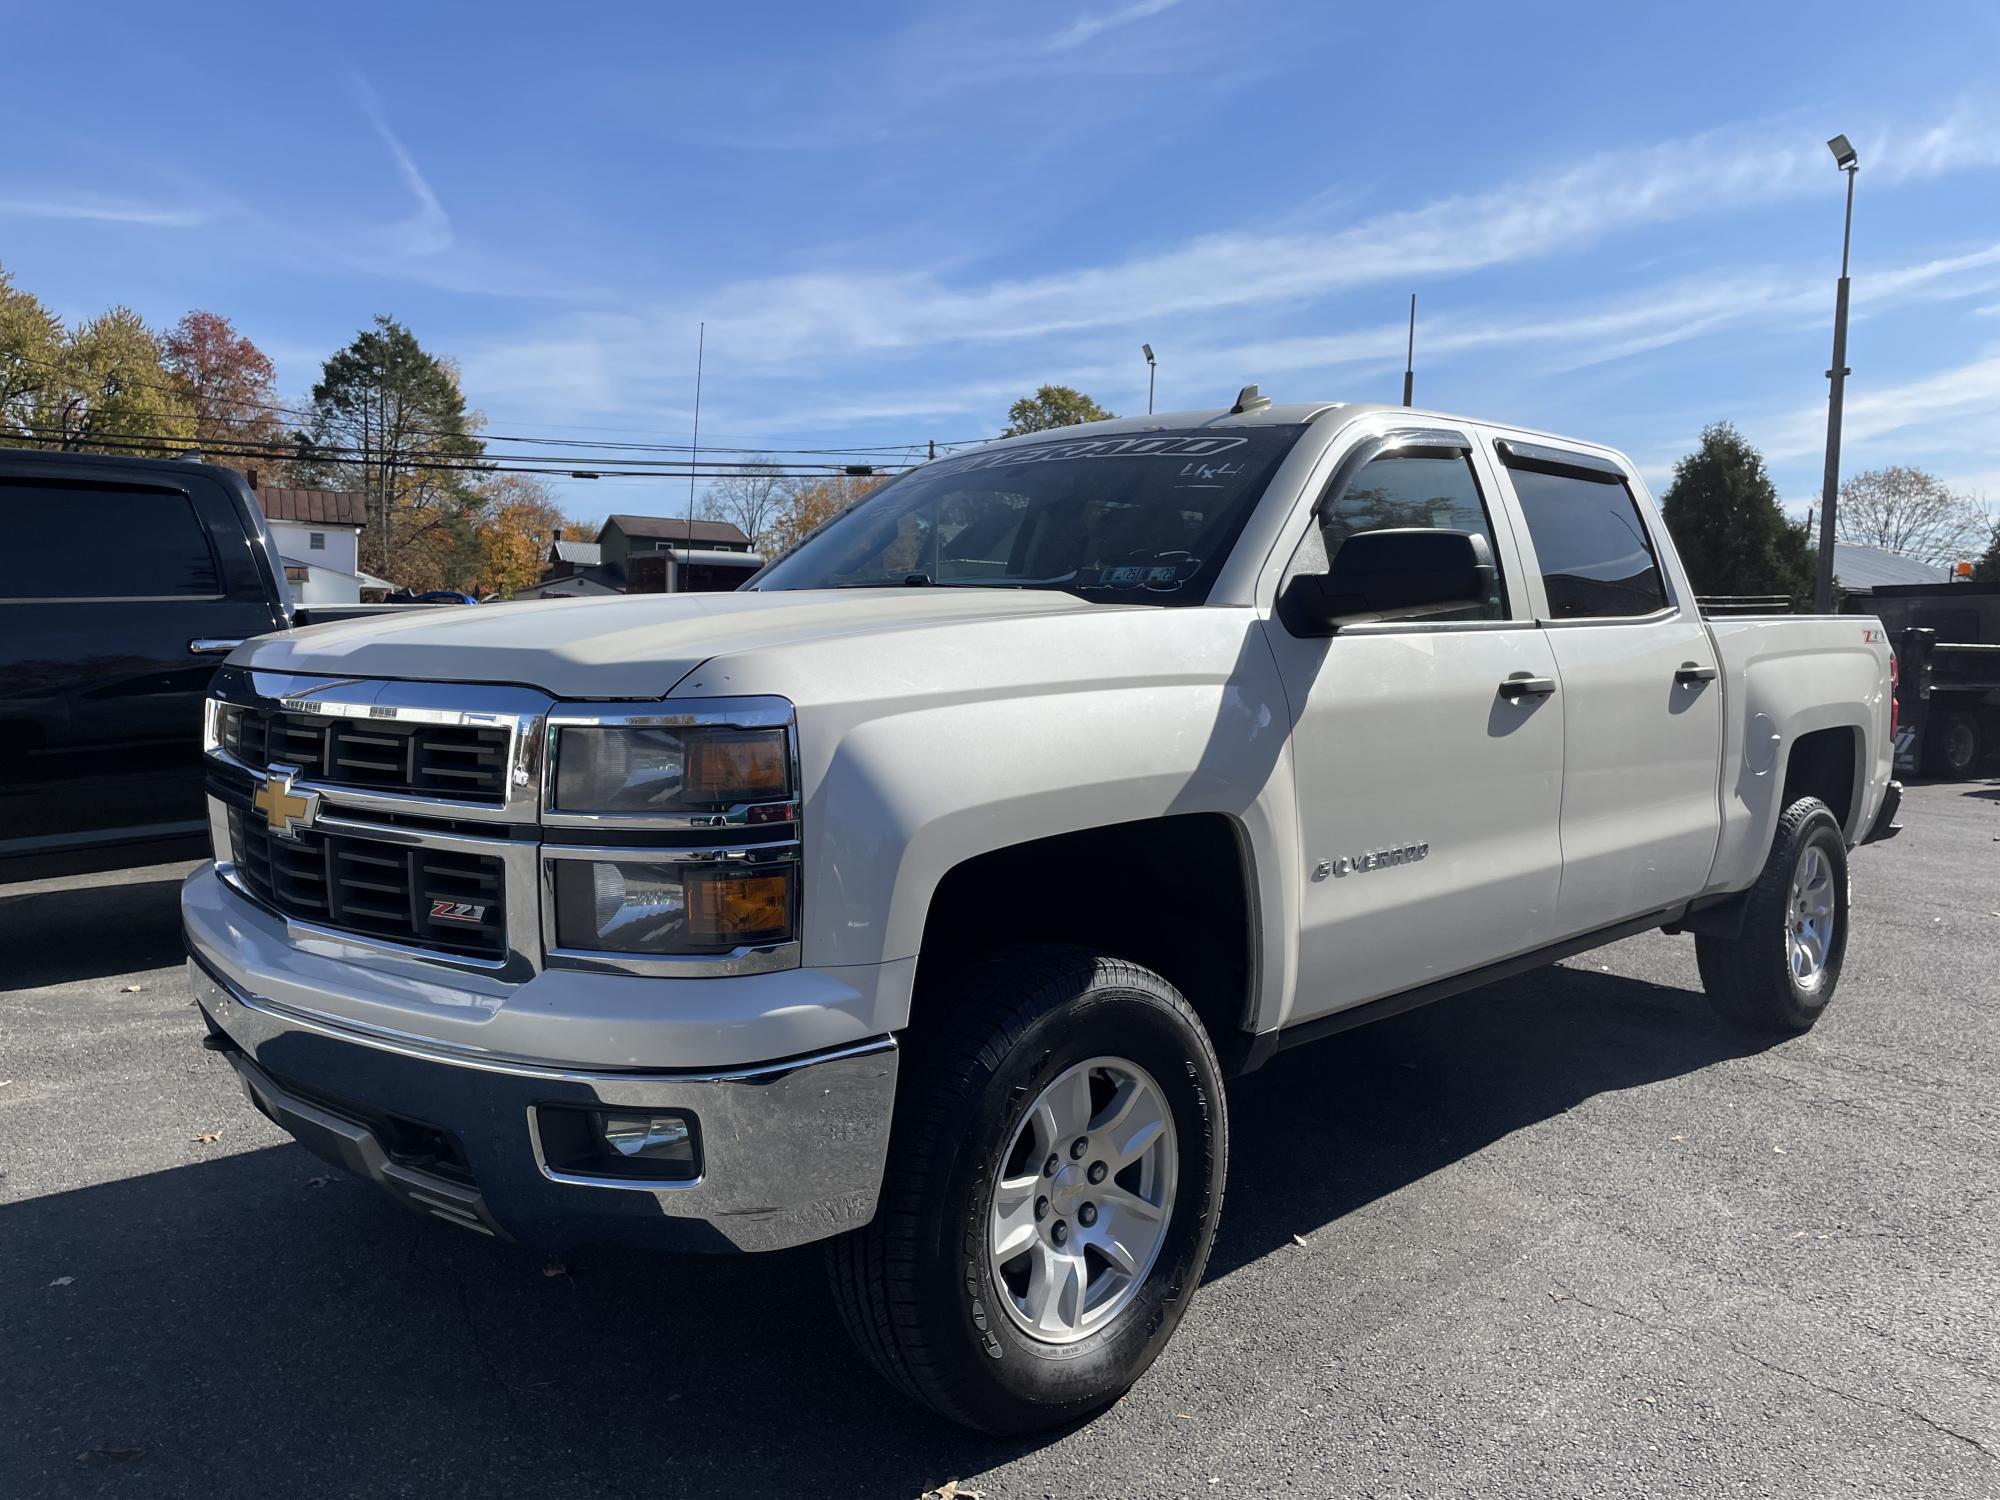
(1858, 569)
(318, 533)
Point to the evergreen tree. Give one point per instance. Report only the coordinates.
(1731, 532)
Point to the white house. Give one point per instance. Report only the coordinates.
(318, 533)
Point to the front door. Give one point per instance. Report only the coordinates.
(1428, 753)
(1642, 721)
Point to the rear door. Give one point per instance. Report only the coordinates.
(110, 587)
(1642, 722)
(1428, 754)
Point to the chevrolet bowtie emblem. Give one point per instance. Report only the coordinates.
(285, 810)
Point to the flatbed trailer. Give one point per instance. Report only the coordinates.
(1947, 640)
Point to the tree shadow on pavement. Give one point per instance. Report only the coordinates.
(259, 1324)
(88, 931)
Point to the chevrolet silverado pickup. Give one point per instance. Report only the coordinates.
(921, 896)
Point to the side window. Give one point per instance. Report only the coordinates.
(83, 541)
(1597, 561)
(316, 541)
(1401, 492)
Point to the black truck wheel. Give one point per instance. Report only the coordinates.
(1954, 744)
(1054, 1179)
(1778, 974)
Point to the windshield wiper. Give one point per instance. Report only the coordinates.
(908, 580)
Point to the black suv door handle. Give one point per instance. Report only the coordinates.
(1692, 672)
(1526, 685)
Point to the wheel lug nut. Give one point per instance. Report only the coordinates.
(1087, 1215)
(1041, 1208)
(1059, 1231)
(1049, 1166)
(1077, 1147)
(1096, 1172)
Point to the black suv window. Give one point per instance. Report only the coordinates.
(1597, 561)
(1400, 492)
(86, 541)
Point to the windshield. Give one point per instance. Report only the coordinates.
(1142, 517)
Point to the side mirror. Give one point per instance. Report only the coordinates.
(1413, 573)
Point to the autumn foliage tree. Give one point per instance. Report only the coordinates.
(517, 521)
(231, 384)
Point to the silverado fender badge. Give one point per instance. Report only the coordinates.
(1374, 859)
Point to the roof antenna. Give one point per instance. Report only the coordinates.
(1410, 354)
(1249, 399)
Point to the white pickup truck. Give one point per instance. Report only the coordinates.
(921, 896)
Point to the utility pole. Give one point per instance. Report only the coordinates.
(1848, 161)
(694, 453)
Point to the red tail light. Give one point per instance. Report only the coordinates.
(1895, 703)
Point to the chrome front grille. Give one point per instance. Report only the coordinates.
(444, 760)
(448, 900)
(401, 821)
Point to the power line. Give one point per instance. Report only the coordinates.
(305, 414)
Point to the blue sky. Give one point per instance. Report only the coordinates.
(1620, 221)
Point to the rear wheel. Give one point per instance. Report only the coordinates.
(1053, 1184)
(1778, 974)
(1955, 744)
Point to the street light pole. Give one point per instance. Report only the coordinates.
(1843, 155)
(1151, 370)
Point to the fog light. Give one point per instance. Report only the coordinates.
(650, 1137)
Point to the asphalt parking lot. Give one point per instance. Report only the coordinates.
(1567, 1236)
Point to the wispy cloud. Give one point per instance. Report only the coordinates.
(106, 210)
(1089, 27)
(1558, 213)
(428, 230)
(1966, 394)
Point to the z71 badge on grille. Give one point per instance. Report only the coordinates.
(457, 911)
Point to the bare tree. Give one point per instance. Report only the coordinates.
(752, 498)
(1908, 511)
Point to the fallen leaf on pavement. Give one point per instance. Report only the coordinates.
(951, 1490)
(555, 1268)
(130, 989)
(1299, 1240)
(62, 1281)
(208, 1137)
(1676, 1137)
(1779, 1150)
(321, 1181)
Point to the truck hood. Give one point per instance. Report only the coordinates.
(626, 646)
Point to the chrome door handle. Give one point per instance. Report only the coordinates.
(1526, 685)
(1692, 672)
(204, 645)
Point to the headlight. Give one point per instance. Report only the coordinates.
(689, 770)
(636, 906)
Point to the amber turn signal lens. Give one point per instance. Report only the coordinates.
(725, 767)
(739, 908)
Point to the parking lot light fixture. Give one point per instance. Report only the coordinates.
(1849, 161)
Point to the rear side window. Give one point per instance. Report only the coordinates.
(80, 541)
(1597, 561)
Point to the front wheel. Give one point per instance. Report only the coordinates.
(1054, 1178)
(1778, 974)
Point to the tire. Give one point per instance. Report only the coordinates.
(1955, 745)
(918, 1288)
(1761, 980)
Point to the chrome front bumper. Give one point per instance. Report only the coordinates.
(791, 1151)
